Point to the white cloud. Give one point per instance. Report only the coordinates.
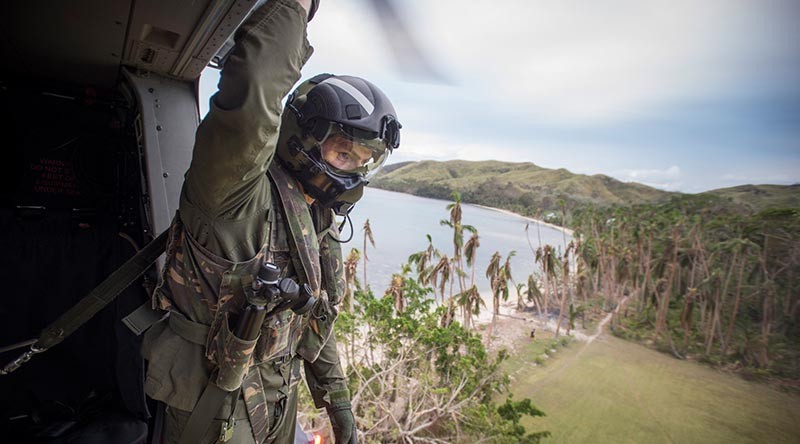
(668, 186)
(774, 178)
(347, 40)
(566, 61)
(429, 146)
(669, 178)
(653, 174)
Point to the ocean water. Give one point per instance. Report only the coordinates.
(400, 222)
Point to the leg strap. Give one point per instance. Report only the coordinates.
(256, 402)
(204, 413)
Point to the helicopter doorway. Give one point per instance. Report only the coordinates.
(71, 212)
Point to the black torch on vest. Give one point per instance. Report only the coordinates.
(270, 295)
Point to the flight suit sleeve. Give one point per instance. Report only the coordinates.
(325, 378)
(236, 140)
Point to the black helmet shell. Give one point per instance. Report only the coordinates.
(350, 101)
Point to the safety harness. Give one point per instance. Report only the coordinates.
(315, 265)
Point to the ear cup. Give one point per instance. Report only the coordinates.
(318, 128)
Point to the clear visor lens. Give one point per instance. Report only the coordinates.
(351, 155)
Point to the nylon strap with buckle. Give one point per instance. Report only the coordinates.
(96, 300)
(204, 412)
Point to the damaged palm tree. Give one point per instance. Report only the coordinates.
(498, 275)
(367, 237)
(351, 281)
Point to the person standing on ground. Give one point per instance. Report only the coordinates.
(263, 186)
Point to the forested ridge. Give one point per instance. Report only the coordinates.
(698, 280)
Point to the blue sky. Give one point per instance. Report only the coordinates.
(680, 95)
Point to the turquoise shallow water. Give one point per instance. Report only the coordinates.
(400, 222)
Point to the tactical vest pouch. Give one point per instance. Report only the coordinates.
(234, 356)
(318, 330)
(275, 337)
(181, 385)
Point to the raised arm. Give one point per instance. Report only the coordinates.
(236, 141)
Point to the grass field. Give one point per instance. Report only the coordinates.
(614, 391)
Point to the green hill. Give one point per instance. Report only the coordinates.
(761, 197)
(520, 187)
(526, 188)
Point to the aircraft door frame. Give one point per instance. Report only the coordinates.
(166, 122)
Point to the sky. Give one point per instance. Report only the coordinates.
(680, 95)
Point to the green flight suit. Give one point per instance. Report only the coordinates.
(232, 218)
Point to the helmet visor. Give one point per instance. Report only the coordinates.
(349, 154)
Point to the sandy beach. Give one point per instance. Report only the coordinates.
(513, 327)
(536, 221)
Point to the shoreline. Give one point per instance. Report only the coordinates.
(531, 219)
(486, 207)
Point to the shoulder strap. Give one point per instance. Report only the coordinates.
(301, 226)
(330, 254)
(93, 302)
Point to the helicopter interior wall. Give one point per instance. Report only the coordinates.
(70, 214)
(77, 40)
(86, 41)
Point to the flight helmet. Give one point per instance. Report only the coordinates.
(336, 133)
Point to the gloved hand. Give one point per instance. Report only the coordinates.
(343, 423)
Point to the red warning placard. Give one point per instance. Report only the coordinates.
(54, 177)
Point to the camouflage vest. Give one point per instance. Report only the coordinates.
(205, 289)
